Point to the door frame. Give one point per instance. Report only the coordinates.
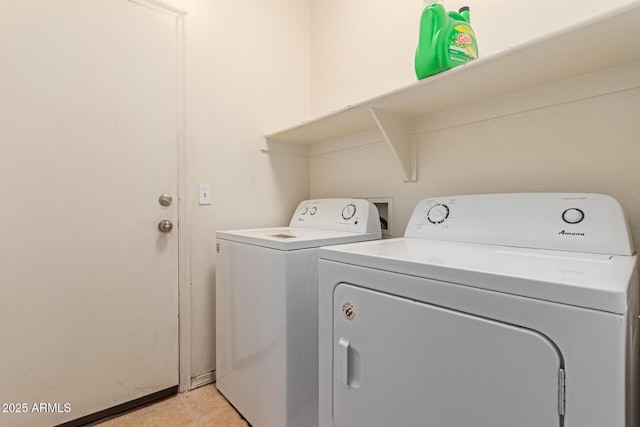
(184, 229)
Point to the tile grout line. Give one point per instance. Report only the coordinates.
(193, 416)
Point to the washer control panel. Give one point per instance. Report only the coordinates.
(353, 215)
(349, 211)
(577, 222)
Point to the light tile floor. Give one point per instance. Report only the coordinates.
(202, 407)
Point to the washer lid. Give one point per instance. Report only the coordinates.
(290, 238)
(600, 282)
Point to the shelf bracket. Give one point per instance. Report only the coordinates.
(395, 129)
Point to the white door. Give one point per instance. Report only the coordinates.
(398, 362)
(89, 140)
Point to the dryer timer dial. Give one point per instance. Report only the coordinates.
(438, 213)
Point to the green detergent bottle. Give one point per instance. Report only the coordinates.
(446, 40)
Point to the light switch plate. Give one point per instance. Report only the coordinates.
(204, 194)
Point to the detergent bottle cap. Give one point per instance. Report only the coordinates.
(464, 13)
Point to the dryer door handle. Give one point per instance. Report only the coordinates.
(343, 361)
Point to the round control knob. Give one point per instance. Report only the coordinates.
(438, 213)
(572, 216)
(313, 210)
(349, 211)
(304, 211)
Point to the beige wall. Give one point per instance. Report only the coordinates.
(363, 48)
(586, 139)
(248, 71)
(586, 145)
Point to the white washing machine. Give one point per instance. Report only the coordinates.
(267, 309)
(504, 310)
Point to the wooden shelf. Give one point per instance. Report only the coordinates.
(606, 41)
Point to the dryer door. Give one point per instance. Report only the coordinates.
(398, 362)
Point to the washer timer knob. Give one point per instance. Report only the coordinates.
(572, 216)
(349, 211)
(438, 213)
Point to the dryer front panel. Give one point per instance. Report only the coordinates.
(402, 362)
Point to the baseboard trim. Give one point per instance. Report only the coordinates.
(203, 379)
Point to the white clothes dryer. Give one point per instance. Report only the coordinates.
(494, 310)
(267, 309)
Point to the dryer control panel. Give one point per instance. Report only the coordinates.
(351, 215)
(578, 222)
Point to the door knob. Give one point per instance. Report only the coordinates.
(165, 226)
(165, 200)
